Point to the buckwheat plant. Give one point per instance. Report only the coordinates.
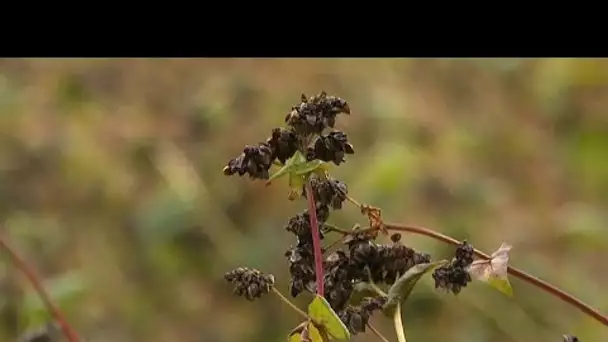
(357, 277)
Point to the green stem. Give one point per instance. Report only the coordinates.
(289, 303)
(316, 239)
(399, 324)
(566, 297)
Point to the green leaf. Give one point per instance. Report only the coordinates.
(323, 315)
(307, 333)
(401, 289)
(296, 184)
(308, 167)
(297, 158)
(502, 285)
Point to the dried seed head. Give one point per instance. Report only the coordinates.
(464, 255)
(255, 161)
(284, 144)
(299, 225)
(356, 318)
(454, 276)
(315, 114)
(332, 147)
(250, 283)
(328, 192)
(396, 237)
(451, 278)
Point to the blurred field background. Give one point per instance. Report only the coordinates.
(111, 185)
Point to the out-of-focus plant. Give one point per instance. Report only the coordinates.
(356, 276)
(50, 330)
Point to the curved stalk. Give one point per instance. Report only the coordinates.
(399, 324)
(543, 285)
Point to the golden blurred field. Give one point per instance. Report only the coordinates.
(111, 185)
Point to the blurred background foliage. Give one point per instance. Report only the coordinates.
(111, 185)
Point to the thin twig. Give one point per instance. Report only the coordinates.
(399, 324)
(566, 297)
(288, 302)
(353, 201)
(67, 330)
(377, 332)
(316, 239)
(333, 228)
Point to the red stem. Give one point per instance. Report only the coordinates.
(566, 297)
(316, 239)
(69, 333)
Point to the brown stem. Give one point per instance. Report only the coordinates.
(377, 332)
(566, 297)
(69, 333)
(316, 239)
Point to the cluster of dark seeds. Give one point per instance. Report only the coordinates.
(256, 160)
(315, 114)
(250, 283)
(384, 262)
(328, 192)
(343, 269)
(330, 148)
(570, 338)
(454, 276)
(305, 121)
(357, 318)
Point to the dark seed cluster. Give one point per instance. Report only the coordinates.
(344, 268)
(256, 160)
(570, 338)
(454, 276)
(331, 148)
(328, 192)
(384, 262)
(305, 121)
(250, 283)
(357, 318)
(316, 113)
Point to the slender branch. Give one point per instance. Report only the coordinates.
(316, 240)
(288, 302)
(69, 333)
(399, 324)
(377, 332)
(331, 245)
(566, 297)
(333, 228)
(353, 201)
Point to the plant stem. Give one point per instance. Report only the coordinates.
(288, 302)
(377, 332)
(566, 297)
(316, 240)
(399, 324)
(69, 333)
